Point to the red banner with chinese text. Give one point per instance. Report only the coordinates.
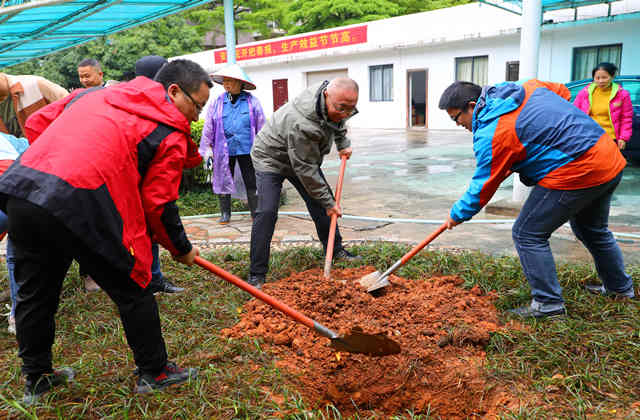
(319, 41)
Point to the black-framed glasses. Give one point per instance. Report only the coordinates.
(455, 119)
(341, 109)
(196, 104)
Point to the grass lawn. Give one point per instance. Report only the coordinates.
(583, 367)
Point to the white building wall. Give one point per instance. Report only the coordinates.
(432, 41)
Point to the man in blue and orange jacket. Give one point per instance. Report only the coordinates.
(98, 185)
(531, 128)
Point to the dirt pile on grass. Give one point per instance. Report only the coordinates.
(441, 327)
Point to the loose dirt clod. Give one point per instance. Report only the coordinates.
(441, 327)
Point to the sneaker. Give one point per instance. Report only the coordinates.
(164, 285)
(344, 255)
(35, 387)
(12, 325)
(169, 375)
(598, 289)
(90, 285)
(540, 310)
(256, 280)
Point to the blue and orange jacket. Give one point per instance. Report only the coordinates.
(531, 128)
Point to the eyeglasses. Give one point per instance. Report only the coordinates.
(455, 119)
(196, 104)
(342, 109)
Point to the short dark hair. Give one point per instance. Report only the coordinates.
(608, 67)
(90, 62)
(185, 73)
(459, 94)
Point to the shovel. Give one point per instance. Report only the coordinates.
(375, 281)
(334, 222)
(356, 342)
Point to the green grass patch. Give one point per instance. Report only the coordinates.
(583, 367)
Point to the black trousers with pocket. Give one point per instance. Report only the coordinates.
(269, 189)
(44, 250)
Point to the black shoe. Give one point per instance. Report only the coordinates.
(225, 208)
(530, 312)
(169, 375)
(344, 255)
(164, 285)
(598, 289)
(35, 387)
(256, 280)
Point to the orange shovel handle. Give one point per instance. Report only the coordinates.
(422, 244)
(334, 220)
(282, 307)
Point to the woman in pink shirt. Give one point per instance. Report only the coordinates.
(608, 104)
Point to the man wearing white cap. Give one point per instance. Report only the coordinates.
(292, 146)
(231, 123)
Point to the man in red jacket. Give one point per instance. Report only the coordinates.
(99, 184)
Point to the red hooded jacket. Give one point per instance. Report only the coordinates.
(109, 167)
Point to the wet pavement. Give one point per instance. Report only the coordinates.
(416, 174)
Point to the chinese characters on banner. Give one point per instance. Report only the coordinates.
(319, 41)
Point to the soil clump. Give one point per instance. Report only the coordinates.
(443, 330)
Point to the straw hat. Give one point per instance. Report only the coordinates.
(233, 71)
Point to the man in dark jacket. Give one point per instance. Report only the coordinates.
(99, 183)
(291, 146)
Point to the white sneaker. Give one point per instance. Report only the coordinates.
(12, 325)
(90, 285)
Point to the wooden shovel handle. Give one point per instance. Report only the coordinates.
(334, 221)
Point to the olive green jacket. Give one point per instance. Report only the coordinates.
(295, 139)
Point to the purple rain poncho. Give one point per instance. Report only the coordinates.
(214, 140)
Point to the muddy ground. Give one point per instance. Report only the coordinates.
(442, 328)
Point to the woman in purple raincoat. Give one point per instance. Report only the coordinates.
(231, 123)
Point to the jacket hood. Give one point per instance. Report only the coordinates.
(147, 99)
(307, 102)
(495, 101)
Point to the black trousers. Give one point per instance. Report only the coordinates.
(44, 249)
(269, 189)
(246, 169)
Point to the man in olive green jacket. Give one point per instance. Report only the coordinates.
(291, 146)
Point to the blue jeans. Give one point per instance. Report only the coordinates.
(13, 287)
(156, 273)
(588, 212)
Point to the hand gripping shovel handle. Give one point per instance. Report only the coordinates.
(282, 307)
(334, 221)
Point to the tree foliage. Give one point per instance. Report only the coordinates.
(312, 15)
(116, 53)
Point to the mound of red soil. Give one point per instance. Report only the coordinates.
(441, 327)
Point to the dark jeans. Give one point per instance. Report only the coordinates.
(44, 249)
(269, 189)
(588, 212)
(246, 169)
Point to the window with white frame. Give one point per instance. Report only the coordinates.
(472, 69)
(586, 58)
(381, 83)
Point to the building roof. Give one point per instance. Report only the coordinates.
(30, 29)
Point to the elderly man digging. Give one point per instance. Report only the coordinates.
(575, 167)
(292, 146)
(99, 202)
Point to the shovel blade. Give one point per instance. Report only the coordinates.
(369, 280)
(369, 344)
(382, 282)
